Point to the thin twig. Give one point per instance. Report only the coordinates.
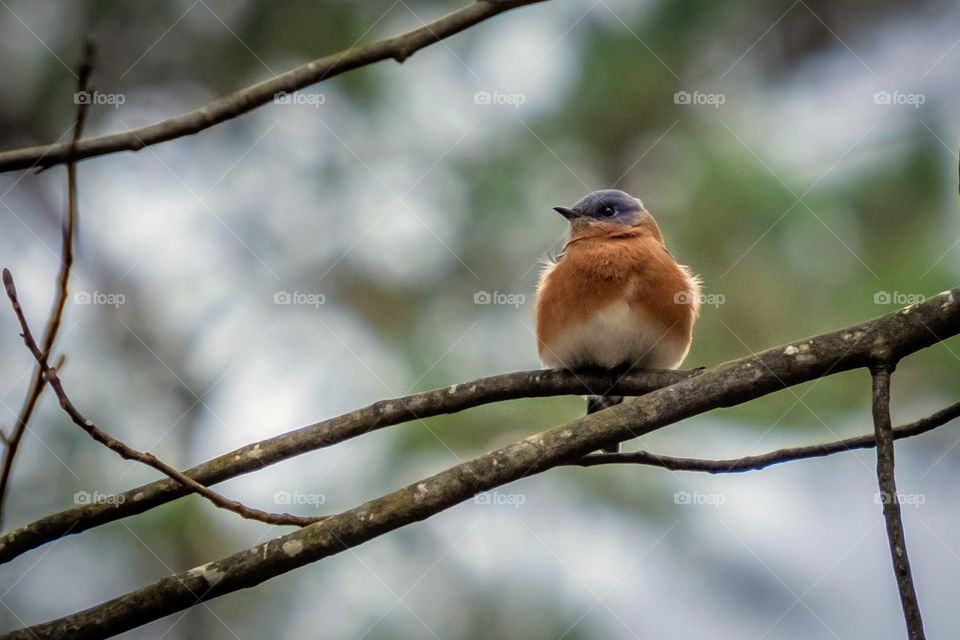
(761, 461)
(37, 382)
(891, 503)
(130, 453)
(398, 48)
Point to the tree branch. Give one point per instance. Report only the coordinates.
(127, 452)
(762, 461)
(882, 340)
(236, 104)
(38, 382)
(385, 413)
(891, 503)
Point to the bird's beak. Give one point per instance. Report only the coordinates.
(566, 212)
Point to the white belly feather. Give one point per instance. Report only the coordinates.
(613, 336)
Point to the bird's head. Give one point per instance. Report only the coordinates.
(605, 207)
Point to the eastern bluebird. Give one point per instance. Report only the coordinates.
(615, 298)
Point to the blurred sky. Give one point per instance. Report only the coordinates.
(800, 156)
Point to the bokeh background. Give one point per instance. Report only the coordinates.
(801, 156)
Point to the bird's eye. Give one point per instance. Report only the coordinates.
(608, 211)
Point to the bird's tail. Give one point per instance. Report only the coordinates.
(599, 403)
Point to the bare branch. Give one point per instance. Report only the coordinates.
(891, 503)
(129, 453)
(398, 48)
(762, 461)
(37, 382)
(258, 455)
(885, 339)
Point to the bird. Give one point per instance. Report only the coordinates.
(615, 298)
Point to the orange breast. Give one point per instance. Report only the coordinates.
(621, 265)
